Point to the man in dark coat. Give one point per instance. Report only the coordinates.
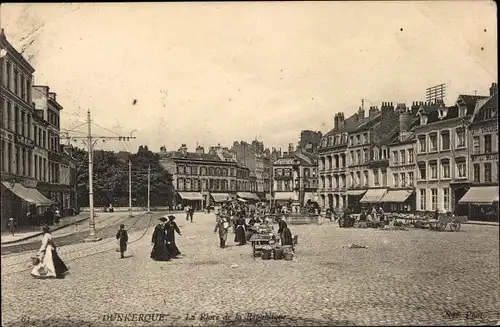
(222, 226)
(122, 237)
(172, 228)
(285, 233)
(240, 236)
(160, 242)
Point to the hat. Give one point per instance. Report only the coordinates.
(11, 218)
(162, 219)
(171, 217)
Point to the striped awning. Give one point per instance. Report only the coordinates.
(373, 195)
(248, 196)
(480, 195)
(191, 196)
(398, 196)
(356, 192)
(30, 195)
(220, 197)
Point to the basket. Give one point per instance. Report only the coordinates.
(266, 255)
(288, 256)
(278, 254)
(35, 261)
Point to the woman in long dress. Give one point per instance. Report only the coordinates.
(285, 233)
(240, 236)
(50, 264)
(172, 228)
(160, 242)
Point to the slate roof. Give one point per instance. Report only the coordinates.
(483, 103)
(350, 124)
(192, 156)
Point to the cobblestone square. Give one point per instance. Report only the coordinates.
(416, 277)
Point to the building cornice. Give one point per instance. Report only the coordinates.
(14, 54)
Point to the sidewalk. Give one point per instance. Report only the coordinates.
(488, 223)
(7, 238)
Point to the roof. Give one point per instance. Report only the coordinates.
(305, 158)
(192, 156)
(350, 124)
(483, 103)
(470, 101)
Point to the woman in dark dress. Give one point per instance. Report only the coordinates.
(285, 233)
(240, 236)
(160, 242)
(172, 228)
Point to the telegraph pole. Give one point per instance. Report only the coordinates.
(149, 187)
(92, 236)
(90, 141)
(130, 188)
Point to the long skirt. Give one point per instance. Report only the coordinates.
(173, 249)
(160, 253)
(51, 266)
(240, 236)
(286, 237)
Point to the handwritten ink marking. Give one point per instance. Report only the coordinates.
(465, 315)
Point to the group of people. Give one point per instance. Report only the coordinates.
(163, 243)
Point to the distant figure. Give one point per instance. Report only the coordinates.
(240, 235)
(187, 209)
(172, 228)
(222, 226)
(57, 216)
(49, 264)
(12, 226)
(284, 232)
(191, 212)
(122, 237)
(160, 242)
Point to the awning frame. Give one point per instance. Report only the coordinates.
(475, 193)
(185, 196)
(373, 195)
(399, 192)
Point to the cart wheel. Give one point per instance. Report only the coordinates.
(455, 226)
(442, 226)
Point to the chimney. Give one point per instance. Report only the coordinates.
(404, 121)
(386, 110)
(361, 113)
(373, 111)
(336, 122)
(493, 89)
(200, 149)
(341, 120)
(183, 149)
(290, 148)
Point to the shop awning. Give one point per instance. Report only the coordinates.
(310, 196)
(373, 195)
(480, 195)
(248, 196)
(282, 196)
(191, 196)
(398, 196)
(220, 197)
(356, 192)
(30, 195)
(241, 200)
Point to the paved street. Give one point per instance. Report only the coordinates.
(413, 277)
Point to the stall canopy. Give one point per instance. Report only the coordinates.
(191, 196)
(248, 196)
(398, 196)
(283, 196)
(220, 197)
(241, 200)
(480, 195)
(373, 195)
(356, 192)
(30, 195)
(310, 196)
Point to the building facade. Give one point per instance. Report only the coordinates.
(203, 178)
(251, 156)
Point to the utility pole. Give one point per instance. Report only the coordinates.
(130, 188)
(149, 187)
(92, 236)
(90, 141)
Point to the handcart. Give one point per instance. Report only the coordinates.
(454, 223)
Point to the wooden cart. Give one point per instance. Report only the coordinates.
(454, 222)
(258, 242)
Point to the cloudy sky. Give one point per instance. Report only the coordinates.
(213, 73)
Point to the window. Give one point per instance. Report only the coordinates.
(351, 140)
(421, 145)
(460, 133)
(411, 179)
(461, 168)
(365, 138)
(9, 116)
(446, 199)
(434, 196)
(477, 173)
(396, 180)
(384, 154)
(434, 170)
(376, 180)
(358, 139)
(23, 88)
(488, 113)
(9, 82)
(445, 140)
(358, 157)
(422, 169)
(445, 168)
(411, 156)
(395, 158)
(476, 145)
(462, 111)
(16, 119)
(422, 200)
(367, 155)
(487, 143)
(358, 178)
(433, 142)
(384, 177)
(375, 154)
(3, 151)
(403, 180)
(352, 158)
(402, 156)
(16, 85)
(366, 178)
(487, 172)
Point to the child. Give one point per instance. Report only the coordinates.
(12, 226)
(122, 237)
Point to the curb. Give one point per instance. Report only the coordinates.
(38, 234)
(483, 223)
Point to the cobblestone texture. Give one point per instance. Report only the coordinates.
(416, 277)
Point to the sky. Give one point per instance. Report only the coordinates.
(213, 73)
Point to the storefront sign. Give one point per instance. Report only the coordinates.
(485, 129)
(485, 157)
(285, 162)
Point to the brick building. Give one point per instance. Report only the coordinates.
(251, 156)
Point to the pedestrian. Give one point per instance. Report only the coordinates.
(187, 209)
(222, 226)
(285, 233)
(160, 242)
(172, 228)
(12, 226)
(122, 238)
(49, 263)
(57, 216)
(240, 235)
(191, 212)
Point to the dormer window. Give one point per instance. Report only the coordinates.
(462, 111)
(423, 119)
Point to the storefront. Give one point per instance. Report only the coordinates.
(219, 198)
(398, 201)
(250, 197)
(194, 199)
(283, 198)
(354, 198)
(483, 203)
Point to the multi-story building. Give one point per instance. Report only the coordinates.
(202, 178)
(23, 145)
(295, 177)
(482, 197)
(251, 156)
(268, 178)
(443, 153)
(310, 141)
